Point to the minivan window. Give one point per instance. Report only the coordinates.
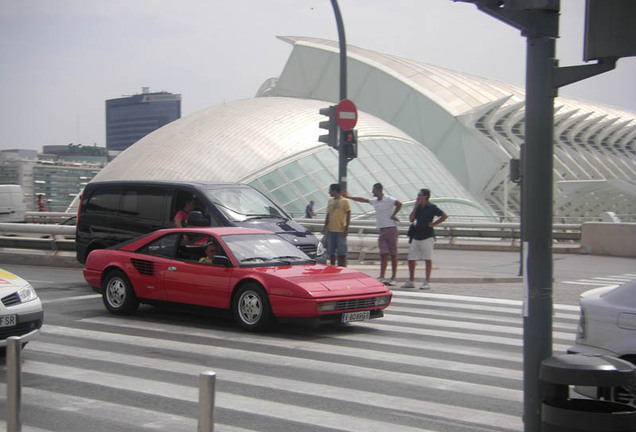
(144, 204)
(104, 200)
(240, 204)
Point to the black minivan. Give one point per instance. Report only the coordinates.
(111, 212)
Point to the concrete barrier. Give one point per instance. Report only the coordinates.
(606, 238)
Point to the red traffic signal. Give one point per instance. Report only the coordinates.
(350, 143)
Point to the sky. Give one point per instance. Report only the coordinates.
(62, 59)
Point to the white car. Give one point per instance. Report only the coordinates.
(21, 311)
(607, 326)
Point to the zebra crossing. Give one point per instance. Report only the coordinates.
(604, 280)
(434, 363)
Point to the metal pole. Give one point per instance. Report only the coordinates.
(537, 218)
(207, 381)
(14, 384)
(539, 22)
(342, 159)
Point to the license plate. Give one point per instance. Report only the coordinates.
(356, 316)
(8, 321)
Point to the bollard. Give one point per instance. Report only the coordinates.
(14, 383)
(206, 401)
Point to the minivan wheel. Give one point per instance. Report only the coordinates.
(251, 307)
(118, 294)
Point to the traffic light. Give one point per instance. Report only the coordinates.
(350, 143)
(515, 170)
(331, 125)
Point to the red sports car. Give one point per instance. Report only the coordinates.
(256, 274)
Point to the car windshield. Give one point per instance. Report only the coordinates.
(240, 204)
(259, 249)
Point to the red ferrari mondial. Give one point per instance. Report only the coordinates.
(256, 274)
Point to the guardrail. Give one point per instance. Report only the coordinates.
(454, 230)
(47, 217)
(37, 236)
(362, 238)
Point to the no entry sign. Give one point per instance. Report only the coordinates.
(346, 114)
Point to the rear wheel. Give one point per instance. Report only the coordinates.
(118, 294)
(251, 307)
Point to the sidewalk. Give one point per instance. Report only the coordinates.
(455, 272)
(440, 274)
(449, 266)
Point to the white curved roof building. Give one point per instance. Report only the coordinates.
(419, 126)
(272, 144)
(474, 126)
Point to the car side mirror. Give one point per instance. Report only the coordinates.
(196, 218)
(221, 261)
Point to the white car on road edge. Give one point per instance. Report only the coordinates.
(607, 326)
(21, 311)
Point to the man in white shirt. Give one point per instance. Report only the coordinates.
(386, 209)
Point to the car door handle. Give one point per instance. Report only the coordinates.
(172, 268)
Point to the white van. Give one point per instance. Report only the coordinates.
(12, 205)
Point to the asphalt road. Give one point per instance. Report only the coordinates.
(444, 360)
(495, 274)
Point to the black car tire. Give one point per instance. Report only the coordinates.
(118, 294)
(251, 307)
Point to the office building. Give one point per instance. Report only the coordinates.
(130, 118)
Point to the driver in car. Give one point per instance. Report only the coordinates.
(211, 249)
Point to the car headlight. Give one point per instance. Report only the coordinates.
(580, 331)
(381, 301)
(327, 306)
(27, 294)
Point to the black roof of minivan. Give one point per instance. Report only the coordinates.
(201, 184)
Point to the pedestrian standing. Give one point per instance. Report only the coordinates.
(337, 226)
(309, 210)
(423, 240)
(41, 205)
(386, 210)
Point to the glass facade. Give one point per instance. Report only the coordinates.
(60, 183)
(403, 167)
(131, 118)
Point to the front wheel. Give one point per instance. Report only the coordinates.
(251, 308)
(118, 294)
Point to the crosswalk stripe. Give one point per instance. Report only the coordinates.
(472, 301)
(476, 317)
(69, 299)
(414, 407)
(513, 342)
(468, 326)
(375, 354)
(419, 330)
(303, 363)
(588, 282)
(145, 419)
(610, 280)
